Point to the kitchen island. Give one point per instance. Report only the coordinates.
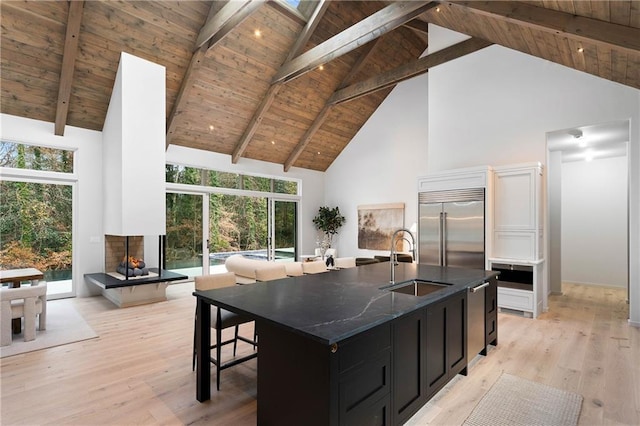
(340, 348)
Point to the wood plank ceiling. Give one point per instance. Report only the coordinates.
(258, 79)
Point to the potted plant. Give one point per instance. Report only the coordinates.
(328, 220)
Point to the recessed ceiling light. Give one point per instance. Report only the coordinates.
(257, 33)
(273, 142)
(437, 9)
(318, 152)
(321, 67)
(580, 49)
(212, 127)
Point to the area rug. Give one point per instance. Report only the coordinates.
(516, 401)
(64, 325)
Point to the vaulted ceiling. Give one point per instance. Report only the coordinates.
(262, 80)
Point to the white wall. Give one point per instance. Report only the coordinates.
(496, 105)
(313, 185)
(492, 107)
(594, 222)
(88, 238)
(381, 163)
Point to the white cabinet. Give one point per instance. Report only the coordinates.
(520, 285)
(518, 236)
(517, 212)
(472, 177)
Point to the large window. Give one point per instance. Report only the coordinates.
(36, 212)
(216, 179)
(234, 213)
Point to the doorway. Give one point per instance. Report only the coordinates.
(587, 206)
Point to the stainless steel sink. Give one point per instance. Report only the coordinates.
(416, 287)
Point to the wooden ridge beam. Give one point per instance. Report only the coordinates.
(183, 93)
(372, 27)
(324, 113)
(214, 29)
(418, 25)
(405, 72)
(367, 52)
(231, 14)
(308, 135)
(68, 64)
(601, 33)
(255, 121)
(308, 30)
(268, 98)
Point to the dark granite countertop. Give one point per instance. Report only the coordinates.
(336, 305)
(107, 281)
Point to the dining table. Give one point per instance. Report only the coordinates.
(15, 277)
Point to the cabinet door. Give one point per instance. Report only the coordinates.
(491, 315)
(409, 390)
(365, 377)
(436, 343)
(364, 393)
(456, 329)
(514, 196)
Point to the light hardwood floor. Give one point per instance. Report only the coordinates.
(139, 370)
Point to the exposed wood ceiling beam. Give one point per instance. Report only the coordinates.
(266, 102)
(183, 94)
(224, 22)
(308, 30)
(324, 113)
(353, 37)
(418, 25)
(405, 72)
(308, 135)
(226, 19)
(68, 64)
(236, 20)
(600, 33)
(287, 10)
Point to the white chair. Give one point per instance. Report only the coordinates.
(294, 269)
(23, 302)
(220, 320)
(345, 262)
(315, 267)
(271, 271)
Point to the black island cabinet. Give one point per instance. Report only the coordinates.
(397, 350)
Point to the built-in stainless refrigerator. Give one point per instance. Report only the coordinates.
(451, 228)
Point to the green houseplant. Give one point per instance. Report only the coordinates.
(328, 220)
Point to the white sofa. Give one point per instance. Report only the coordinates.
(245, 269)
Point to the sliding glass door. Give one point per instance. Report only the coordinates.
(237, 224)
(283, 215)
(184, 243)
(204, 229)
(36, 222)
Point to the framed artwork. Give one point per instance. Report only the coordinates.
(377, 223)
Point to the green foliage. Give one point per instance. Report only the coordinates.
(329, 220)
(35, 225)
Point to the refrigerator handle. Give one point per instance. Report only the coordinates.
(440, 240)
(444, 239)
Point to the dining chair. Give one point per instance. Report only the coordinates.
(294, 269)
(315, 267)
(345, 262)
(272, 271)
(23, 302)
(221, 320)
